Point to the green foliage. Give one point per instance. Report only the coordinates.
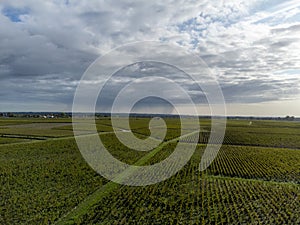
(31, 128)
(254, 179)
(272, 164)
(4, 140)
(42, 181)
(194, 197)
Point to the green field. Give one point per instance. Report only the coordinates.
(255, 178)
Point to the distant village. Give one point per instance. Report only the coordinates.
(53, 115)
(45, 115)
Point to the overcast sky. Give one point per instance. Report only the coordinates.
(253, 47)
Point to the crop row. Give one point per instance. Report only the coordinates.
(194, 197)
(41, 181)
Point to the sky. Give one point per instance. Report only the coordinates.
(252, 47)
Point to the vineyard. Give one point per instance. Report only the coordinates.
(255, 178)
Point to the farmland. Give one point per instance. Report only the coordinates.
(255, 178)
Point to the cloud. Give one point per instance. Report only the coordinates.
(47, 45)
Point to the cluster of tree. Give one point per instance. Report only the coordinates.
(287, 118)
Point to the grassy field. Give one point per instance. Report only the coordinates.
(255, 178)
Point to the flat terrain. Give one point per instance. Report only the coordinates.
(255, 178)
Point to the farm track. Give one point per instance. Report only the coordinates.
(23, 137)
(83, 207)
(42, 139)
(159, 147)
(94, 198)
(44, 126)
(218, 202)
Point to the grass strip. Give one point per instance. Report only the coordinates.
(75, 215)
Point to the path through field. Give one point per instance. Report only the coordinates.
(107, 189)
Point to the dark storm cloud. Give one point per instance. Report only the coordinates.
(33, 67)
(148, 70)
